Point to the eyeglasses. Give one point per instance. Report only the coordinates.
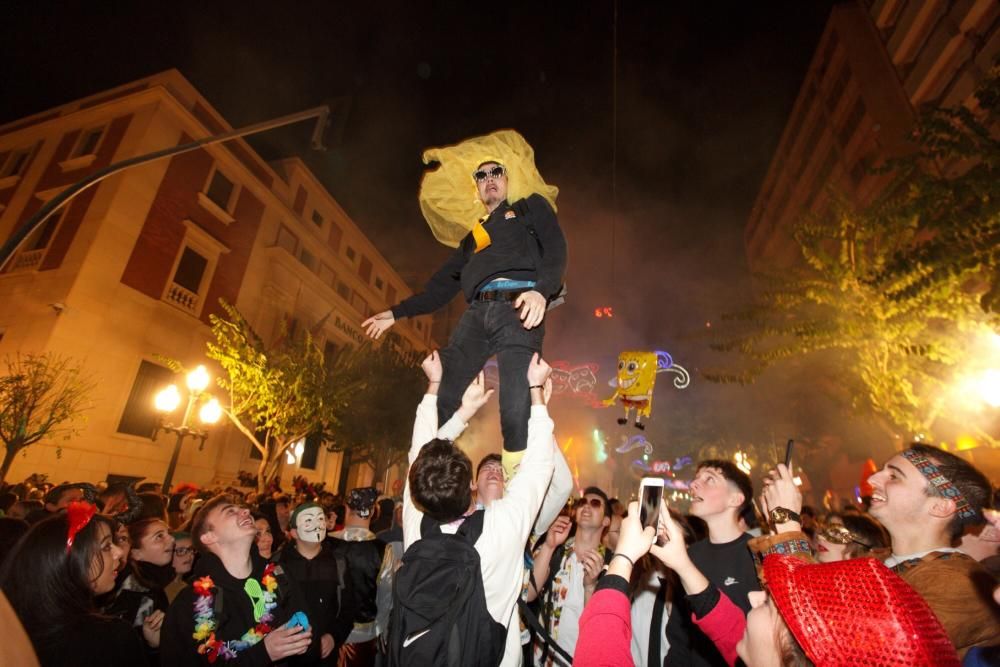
(183, 551)
(840, 535)
(482, 174)
(596, 503)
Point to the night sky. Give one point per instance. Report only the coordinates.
(704, 90)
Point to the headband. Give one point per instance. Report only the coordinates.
(79, 514)
(942, 485)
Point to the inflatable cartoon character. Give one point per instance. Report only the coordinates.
(636, 377)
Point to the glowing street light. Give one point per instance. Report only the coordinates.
(166, 402)
(988, 386)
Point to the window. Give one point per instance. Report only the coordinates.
(317, 219)
(139, 417)
(350, 253)
(287, 240)
(16, 163)
(190, 270)
(840, 85)
(365, 269)
(344, 291)
(88, 142)
(390, 295)
(220, 190)
(327, 275)
(359, 304)
(31, 255)
(336, 233)
(195, 265)
(378, 283)
(307, 259)
(310, 450)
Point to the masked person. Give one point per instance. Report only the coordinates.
(309, 561)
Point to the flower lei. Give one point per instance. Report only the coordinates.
(204, 616)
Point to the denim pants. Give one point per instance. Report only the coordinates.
(485, 329)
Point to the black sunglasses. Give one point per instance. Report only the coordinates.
(596, 503)
(482, 174)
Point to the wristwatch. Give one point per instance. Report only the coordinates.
(784, 515)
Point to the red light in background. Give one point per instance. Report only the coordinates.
(604, 311)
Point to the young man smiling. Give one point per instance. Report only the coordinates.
(926, 497)
(720, 494)
(236, 596)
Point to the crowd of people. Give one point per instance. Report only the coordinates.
(470, 566)
(494, 564)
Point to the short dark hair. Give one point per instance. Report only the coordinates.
(733, 475)
(440, 479)
(973, 484)
(864, 529)
(593, 490)
(199, 523)
(489, 458)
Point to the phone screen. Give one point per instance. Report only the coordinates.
(649, 505)
(788, 453)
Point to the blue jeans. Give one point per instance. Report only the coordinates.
(485, 329)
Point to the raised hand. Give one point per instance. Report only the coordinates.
(780, 490)
(432, 368)
(476, 396)
(378, 324)
(532, 308)
(558, 532)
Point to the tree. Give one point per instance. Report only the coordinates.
(893, 295)
(277, 394)
(378, 426)
(41, 396)
(949, 189)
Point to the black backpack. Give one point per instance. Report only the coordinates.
(439, 614)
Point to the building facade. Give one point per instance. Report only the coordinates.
(129, 271)
(876, 66)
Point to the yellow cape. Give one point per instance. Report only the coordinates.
(448, 196)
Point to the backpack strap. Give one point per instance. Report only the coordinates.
(541, 632)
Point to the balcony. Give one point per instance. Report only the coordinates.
(28, 261)
(182, 298)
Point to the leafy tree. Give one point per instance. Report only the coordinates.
(892, 295)
(378, 425)
(279, 393)
(948, 188)
(41, 396)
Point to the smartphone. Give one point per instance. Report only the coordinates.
(650, 495)
(788, 453)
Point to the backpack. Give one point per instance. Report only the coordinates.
(439, 615)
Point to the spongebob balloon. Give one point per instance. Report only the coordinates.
(637, 372)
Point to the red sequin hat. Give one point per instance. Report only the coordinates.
(856, 612)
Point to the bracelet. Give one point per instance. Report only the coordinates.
(537, 386)
(630, 561)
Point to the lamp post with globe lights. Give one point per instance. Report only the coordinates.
(167, 401)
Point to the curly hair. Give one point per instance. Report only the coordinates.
(440, 481)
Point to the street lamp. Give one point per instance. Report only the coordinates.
(167, 400)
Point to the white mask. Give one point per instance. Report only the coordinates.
(310, 524)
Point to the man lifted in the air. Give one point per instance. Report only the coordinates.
(510, 267)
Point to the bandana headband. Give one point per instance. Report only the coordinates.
(942, 485)
(79, 514)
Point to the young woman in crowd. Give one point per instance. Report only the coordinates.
(141, 600)
(183, 563)
(801, 620)
(265, 540)
(52, 578)
(853, 536)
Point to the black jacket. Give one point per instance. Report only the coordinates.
(93, 641)
(513, 253)
(177, 645)
(364, 561)
(327, 597)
